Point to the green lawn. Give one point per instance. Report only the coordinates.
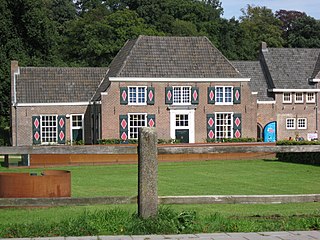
(197, 178)
(189, 178)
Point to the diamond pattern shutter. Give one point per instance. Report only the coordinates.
(150, 95)
(237, 123)
(151, 119)
(123, 95)
(123, 122)
(169, 95)
(36, 134)
(210, 126)
(61, 129)
(194, 95)
(211, 95)
(236, 95)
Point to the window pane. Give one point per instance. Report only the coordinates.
(136, 121)
(223, 125)
(48, 129)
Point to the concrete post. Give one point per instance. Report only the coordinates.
(147, 173)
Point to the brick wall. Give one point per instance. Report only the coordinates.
(111, 108)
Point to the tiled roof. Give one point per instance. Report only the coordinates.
(258, 83)
(57, 84)
(169, 57)
(290, 68)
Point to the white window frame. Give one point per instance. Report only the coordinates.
(44, 131)
(224, 95)
(298, 94)
(133, 129)
(310, 97)
(137, 98)
(191, 124)
(291, 123)
(284, 97)
(76, 127)
(305, 124)
(182, 98)
(217, 124)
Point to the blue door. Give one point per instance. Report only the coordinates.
(270, 132)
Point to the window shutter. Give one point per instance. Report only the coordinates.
(210, 126)
(36, 134)
(194, 95)
(151, 119)
(237, 123)
(61, 129)
(211, 95)
(123, 121)
(236, 95)
(123, 95)
(169, 95)
(150, 95)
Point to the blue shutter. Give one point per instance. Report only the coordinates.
(211, 95)
(169, 95)
(61, 129)
(123, 126)
(123, 95)
(194, 95)
(36, 134)
(150, 95)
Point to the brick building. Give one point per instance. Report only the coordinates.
(183, 86)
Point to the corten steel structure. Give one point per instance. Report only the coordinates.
(183, 86)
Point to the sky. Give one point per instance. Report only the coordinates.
(310, 7)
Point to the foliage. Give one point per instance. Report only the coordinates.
(168, 221)
(231, 140)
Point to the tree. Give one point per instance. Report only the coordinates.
(304, 33)
(260, 24)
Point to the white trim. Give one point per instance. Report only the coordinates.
(15, 74)
(315, 80)
(191, 127)
(313, 100)
(266, 102)
(276, 90)
(295, 98)
(144, 79)
(254, 93)
(305, 123)
(104, 93)
(137, 103)
(71, 127)
(290, 97)
(294, 123)
(53, 104)
(145, 123)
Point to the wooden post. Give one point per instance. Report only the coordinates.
(6, 160)
(147, 173)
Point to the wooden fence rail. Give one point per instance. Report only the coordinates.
(172, 149)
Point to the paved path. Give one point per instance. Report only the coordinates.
(294, 235)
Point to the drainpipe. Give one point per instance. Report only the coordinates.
(14, 101)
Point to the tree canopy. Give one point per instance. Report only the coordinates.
(91, 32)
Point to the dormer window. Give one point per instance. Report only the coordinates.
(311, 97)
(287, 98)
(299, 97)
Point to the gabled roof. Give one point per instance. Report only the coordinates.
(57, 84)
(258, 82)
(291, 68)
(169, 57)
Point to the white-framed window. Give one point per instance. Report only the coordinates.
(136, 121)
(182, 95)
(223, 125)
(290, 123)
(311, 97)
(298, 97)
(302, 123)
(182, 120)
(49, 129)
(137, 95)
(224, 95)
(287, 97)
(77, 124)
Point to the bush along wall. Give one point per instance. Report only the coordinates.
(303, 157)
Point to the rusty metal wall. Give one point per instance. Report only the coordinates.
(51, 183)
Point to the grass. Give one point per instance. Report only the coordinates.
(197, 178)
(188, 178)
